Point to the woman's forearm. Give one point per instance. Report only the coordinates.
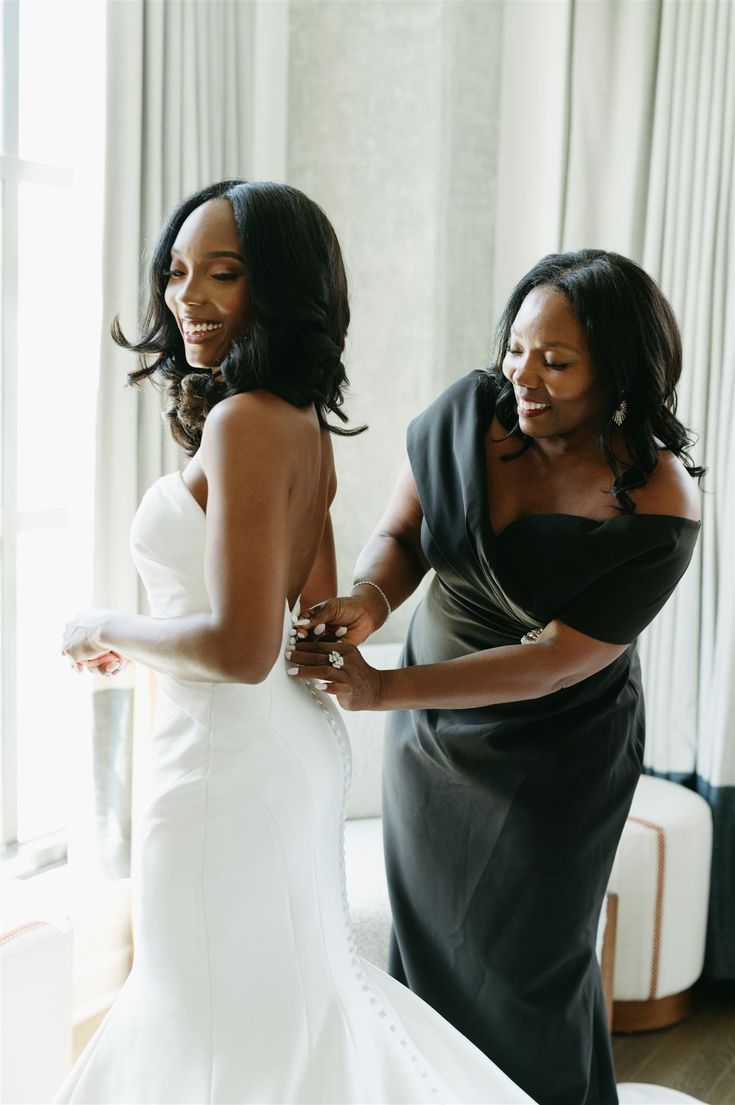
(192, 647)
(510, 673)
(393, 565)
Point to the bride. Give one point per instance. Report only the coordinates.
(246, 985)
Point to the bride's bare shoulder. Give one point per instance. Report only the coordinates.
(257, 417)
(251, 406)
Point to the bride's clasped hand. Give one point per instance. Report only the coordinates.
(80, 644)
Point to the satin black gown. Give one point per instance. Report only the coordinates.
(502, 822)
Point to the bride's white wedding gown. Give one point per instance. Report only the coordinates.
(246, 985)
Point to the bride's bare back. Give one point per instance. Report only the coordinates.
(265, 477)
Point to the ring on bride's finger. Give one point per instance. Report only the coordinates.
(336, 659)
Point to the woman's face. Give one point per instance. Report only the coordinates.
(207, 290)
(548, 362)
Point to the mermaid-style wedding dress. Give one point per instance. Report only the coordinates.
(246, 985)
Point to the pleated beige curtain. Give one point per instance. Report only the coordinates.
(179, 116)
(626, 143)
(689, 244)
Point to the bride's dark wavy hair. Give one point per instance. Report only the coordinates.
(298, 313)
(635, 345)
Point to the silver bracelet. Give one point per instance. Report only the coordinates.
(381, 592)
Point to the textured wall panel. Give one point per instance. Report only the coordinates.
(392, 129)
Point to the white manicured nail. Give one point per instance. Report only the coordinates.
(302, 621)
(341, 631)
(318, 629)
(289, 654)
(292, 671)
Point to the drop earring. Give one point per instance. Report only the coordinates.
(620, 412)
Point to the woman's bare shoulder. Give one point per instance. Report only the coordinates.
(259, 418)
(250, 406)
(669, 490)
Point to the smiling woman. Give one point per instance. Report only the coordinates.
(557, 523)
(242, 924)
(552, 377)
(618, 386)
(217, 301)
(207, 289)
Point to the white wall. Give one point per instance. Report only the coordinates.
(391, 127)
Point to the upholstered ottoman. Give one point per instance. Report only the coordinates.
(661, 877)
(367, 887)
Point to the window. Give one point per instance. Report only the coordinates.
(52, 163)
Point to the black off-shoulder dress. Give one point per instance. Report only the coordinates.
(501, 822)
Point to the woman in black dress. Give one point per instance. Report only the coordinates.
(551, 496)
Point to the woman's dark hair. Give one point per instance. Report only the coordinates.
(635, 346)
(297, 321)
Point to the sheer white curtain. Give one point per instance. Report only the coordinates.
(179, 98)
(626, 143)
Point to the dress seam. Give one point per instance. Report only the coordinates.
(338, 1001)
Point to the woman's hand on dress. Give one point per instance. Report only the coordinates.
(82, 645)
(341, 669)
(350, 618)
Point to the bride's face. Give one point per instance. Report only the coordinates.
(207, 290)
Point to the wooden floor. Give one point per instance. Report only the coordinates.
(696, 1056)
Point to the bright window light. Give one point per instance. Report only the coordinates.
(53, 163)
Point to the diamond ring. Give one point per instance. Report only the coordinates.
(336, 659)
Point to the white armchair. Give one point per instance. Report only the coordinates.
(35, 1011)
(367, 887)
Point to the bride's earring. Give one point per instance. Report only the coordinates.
(620, 412)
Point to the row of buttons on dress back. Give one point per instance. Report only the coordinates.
(355, 958)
